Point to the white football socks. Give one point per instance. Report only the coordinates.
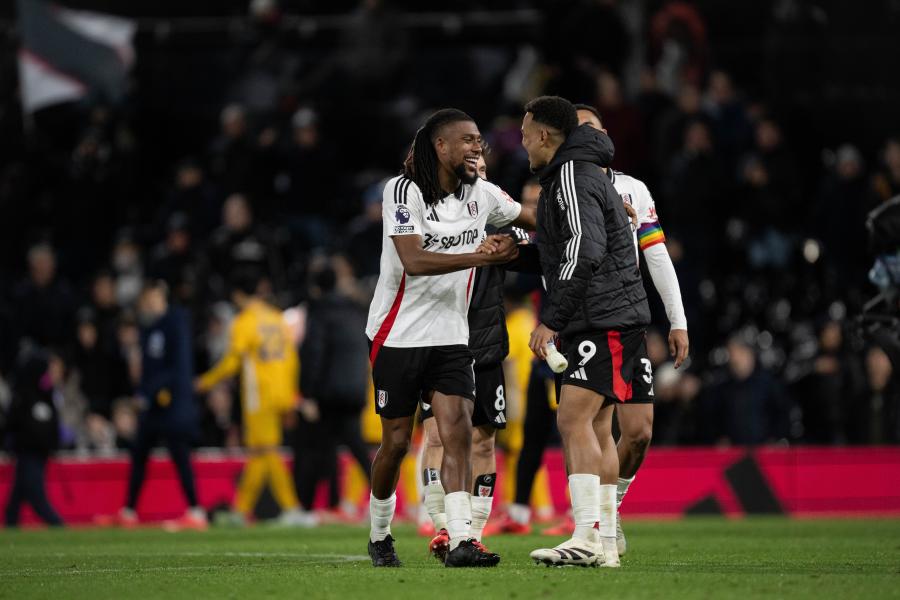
(381, 513)
(622, 489)
(585, 491)
(433, 498)
(520, 513)
(481, 512)
(459, 517)
(607, 505)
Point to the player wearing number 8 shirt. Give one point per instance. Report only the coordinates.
(434, 217)
(596, 303)
(489, 344)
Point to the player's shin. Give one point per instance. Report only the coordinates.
(482, 502)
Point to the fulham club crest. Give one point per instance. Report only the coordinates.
(382, 398)
(473, 208)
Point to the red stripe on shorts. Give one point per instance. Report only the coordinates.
(385, 328)
(621, 389)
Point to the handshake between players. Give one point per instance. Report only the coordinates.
(443, 254)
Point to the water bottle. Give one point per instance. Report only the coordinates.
(555, 359)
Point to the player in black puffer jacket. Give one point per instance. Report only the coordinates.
(597, 305)
(592, 277)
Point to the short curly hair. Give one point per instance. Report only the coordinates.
(554, 111)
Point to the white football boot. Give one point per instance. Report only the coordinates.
(572, 552)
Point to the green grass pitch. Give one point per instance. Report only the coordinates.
(693, 558)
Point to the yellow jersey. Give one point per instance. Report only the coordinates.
(260, 347)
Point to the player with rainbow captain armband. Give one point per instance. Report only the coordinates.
(636, 415)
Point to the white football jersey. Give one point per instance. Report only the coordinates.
(431, 310)
(634, 192)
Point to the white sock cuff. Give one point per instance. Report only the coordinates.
(390, 501)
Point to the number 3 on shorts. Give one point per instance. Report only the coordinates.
(649, 368)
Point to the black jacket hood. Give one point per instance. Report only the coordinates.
(584, 144)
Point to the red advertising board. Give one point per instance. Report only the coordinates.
(804, 482)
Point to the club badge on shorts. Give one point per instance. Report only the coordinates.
(382, 398)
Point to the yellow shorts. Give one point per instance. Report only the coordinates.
(262, 428)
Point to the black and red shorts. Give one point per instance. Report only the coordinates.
(612, 363)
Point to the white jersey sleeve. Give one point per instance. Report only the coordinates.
(502, 209)
(402, 207)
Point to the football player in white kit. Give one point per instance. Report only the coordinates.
(635, 416)
(434, 216)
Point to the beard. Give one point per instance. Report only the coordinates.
(464, 176)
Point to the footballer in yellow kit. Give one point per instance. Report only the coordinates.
(260, 348)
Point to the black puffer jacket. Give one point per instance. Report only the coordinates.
(585, 241)
(488, 339)
(334, 357)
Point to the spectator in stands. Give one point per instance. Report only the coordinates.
(623, 120)
(829, 388)
(365, 232)
(886, 183)
(173, 260)
(128, 268)
(44, 305)
(34, 425)
(309, 167)
(669, 134)
(731, 127)
(240, 243)
(193, 196)
(839, 216)
(873, 417)
(100, 378)
(749, 406)
(694, 192)
(105, 310)
(675, 395)
(231, 153)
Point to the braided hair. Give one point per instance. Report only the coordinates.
(421, 164)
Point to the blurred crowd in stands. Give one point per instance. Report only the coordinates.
(767, 234)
